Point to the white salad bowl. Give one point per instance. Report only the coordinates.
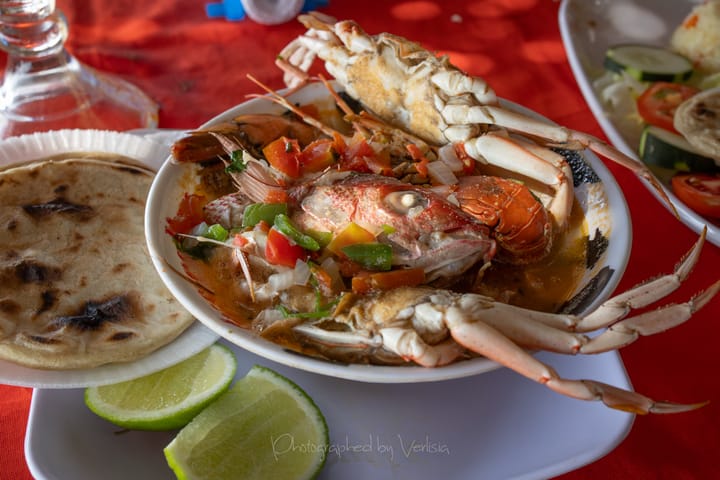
(588, 29)
(609, 239)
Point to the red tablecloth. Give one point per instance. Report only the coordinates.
(195, 68)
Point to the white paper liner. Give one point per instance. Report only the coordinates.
(36, 146)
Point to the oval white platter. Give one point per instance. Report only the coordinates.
(493, 426)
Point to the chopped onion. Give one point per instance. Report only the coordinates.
(441, 173)
(269, 316)
(199, 229)
(301, 273)
(449, 157)
(257, 237)
(333, 269)
(280, 281)
(286, 278)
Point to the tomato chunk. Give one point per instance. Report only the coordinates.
(284, 155)
(354, 155)
(699, 191)
(657, 104)
(317, 156)
(280, 250)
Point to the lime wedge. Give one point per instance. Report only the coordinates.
(167, 399)
(264, 427)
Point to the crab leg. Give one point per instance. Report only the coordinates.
(490, 113)
(554, 332)
(617, 307)
(494, 345)
(533, 330)
(501, 333)
(612, 311)
(481, 337)
(627, 331)
(454, 82)
(557, 136)
(486, 340)
(507, 153)
(295, 60)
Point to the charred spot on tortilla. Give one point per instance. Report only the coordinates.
(10, 307)
(47, 300)
(120, 336)
(34, 272)
(120, 267)
(58, 205)
(43, 340)
(96, 314)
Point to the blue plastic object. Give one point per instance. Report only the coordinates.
(230, 9)
(233, 10)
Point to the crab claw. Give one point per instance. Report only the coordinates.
(617, 398)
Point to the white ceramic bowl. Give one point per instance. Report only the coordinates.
(601, 197)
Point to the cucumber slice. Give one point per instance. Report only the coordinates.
(666, 149)
(647, 63)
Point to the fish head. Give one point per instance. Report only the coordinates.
(424, 229)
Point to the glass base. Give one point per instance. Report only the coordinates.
(70, 95)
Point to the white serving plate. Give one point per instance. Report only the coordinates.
(493, 426)
(587, 29)
(609, 216)
(150, 152)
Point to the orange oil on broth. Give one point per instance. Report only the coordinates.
(546, 285)
(220, 283)
(543, 286)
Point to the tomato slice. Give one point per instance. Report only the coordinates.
(284, 154)
(353, 156)
(280, 250)
(699, 191)
(317, 156)
(657, 104)
(189, 214)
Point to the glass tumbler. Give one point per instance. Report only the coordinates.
(46, 88)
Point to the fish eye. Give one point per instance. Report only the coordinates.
(405, 202)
